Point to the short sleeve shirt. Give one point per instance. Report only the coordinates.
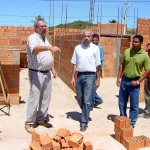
(41, 61)
(86, 58)
(134, 62)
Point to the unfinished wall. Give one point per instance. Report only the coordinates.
(12, 43)
(62, 61)
(143, 27)
(108, 28)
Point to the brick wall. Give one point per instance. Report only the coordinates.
(62, 61)
(108, 28)
(13, 55)
(143, 27)
(67, 43)
(12, 43)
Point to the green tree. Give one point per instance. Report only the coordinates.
(112, 21)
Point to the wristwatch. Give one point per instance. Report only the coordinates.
(137, 82)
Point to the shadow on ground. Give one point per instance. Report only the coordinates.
(111, 117)
(21, 101)
(113, 136)
(74, 115)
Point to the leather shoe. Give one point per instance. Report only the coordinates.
(29, 128)
(45, 124)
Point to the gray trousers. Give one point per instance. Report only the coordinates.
(147, 95)
(39, 97)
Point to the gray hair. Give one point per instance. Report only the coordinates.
(87, 30)
(36, 23)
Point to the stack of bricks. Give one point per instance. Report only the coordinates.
(124, 134)
(62, 140)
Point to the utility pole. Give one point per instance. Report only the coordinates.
(99, 18)
(91, 13)
(125, 16)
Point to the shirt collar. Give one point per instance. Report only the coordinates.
(39, 35)
(85, 46)
(139, 52)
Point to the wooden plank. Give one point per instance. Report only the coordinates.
(4, 98)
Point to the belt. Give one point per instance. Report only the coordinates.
(45, 71)
(132, 78)
(85, 73)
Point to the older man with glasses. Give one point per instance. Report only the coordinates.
(40, 62)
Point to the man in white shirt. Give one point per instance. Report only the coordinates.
(40, 62)
(86, 67)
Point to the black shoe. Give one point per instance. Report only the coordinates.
(83, 128)
(97, 103)
(90, 119)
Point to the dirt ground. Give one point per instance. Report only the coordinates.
(65, 113)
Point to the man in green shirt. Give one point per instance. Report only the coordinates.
(130, 76)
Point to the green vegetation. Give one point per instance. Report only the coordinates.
(76, 25)
(112, 21)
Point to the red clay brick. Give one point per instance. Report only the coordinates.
(66, 138)
(75, 140)
(77, 148)
(147, 142)
(126, 132)
(35, 145)
(57, 138)
(117, 130)
(87, 146)
(141, 139)
(63, 132)
(120, 122)
(132, 143)
(46, 142)
(117, 137)
(64, 144)
(56, 145)
(35, 136)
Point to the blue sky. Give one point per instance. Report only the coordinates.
(21, 12)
